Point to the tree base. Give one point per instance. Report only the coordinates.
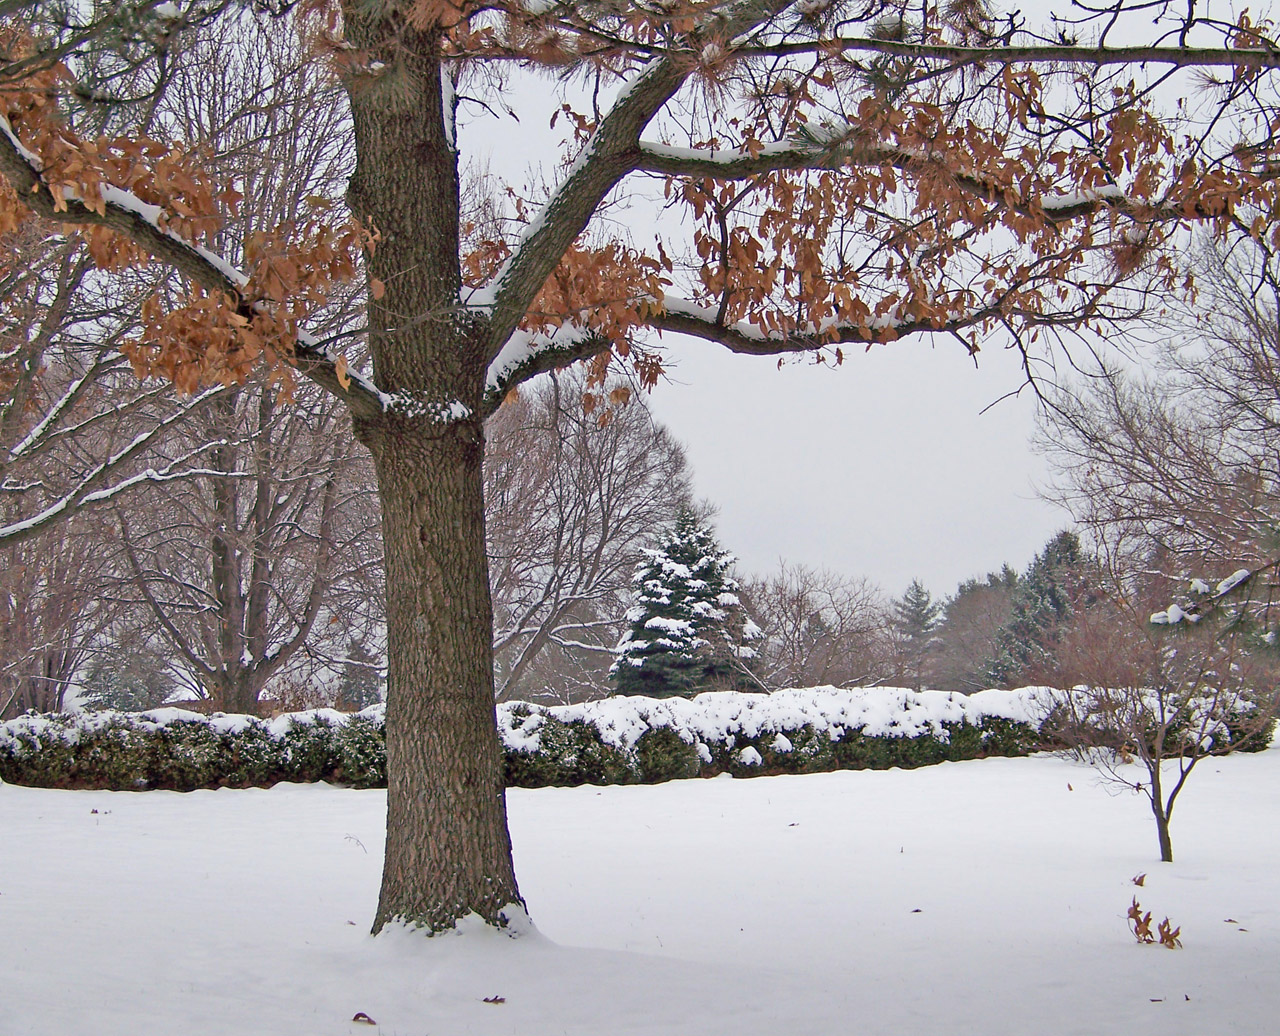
(512, 920)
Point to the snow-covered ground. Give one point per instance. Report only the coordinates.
(977, 897)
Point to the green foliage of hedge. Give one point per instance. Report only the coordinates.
(127, 751)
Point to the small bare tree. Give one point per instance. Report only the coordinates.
(818, 628)
(1133, 692)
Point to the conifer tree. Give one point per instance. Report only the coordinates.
(688, 629)
(1043, 606)
(915, 617)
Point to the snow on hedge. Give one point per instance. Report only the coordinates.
(724, 717)
(714, 718)
(71, 727)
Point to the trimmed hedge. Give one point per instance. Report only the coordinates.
(181, 751)
(617, 741)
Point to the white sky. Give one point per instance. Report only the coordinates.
(884, 467)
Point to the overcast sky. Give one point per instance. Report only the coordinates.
(884, 467)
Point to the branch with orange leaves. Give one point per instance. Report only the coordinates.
(841, 148)
(1266, 57)
(124, 213)
(607, 158)
(688, 318)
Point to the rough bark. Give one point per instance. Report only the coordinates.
(448, 852)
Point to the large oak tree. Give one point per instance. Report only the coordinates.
(834, 174)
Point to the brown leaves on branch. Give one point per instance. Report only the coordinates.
(190, 338)
(202, 339)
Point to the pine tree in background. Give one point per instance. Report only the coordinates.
(915, 617)
(688, 632)
(361, 683)
(1054, 584)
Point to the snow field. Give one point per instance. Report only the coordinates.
(781, 904)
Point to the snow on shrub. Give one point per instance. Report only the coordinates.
(613, 741)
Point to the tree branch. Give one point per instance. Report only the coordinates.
(608, 157)
(843, 148)
(688, 318)
(1266, 57)
(139, 222)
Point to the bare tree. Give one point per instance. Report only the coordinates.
(1133, 693)
(77, 432)
(818, 628)
(242, 572)
(854, 173)
(571, 500)
(1175, 476)
(263, 570)
(968, 638)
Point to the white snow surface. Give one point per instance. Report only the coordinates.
(978, 897)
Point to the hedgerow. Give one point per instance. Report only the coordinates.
(615, 741)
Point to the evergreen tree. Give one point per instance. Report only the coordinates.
(132, 678)
(361, 683)
(915, 617)
(1055, 583)
(688, 631)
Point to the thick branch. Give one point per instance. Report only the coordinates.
(845, 150)
(525, 356)
(689, 319)
(1179, 57)
(608, 157)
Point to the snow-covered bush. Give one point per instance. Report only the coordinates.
(181, 751)
(615, 741)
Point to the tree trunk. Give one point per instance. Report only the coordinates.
(1166, 845)
(448, 851)
(1161, 815)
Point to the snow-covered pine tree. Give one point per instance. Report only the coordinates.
(688, 631)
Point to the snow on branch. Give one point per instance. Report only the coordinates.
(142, 223)
(1002, 54)
(840, 146)
(689, 318)
(90, 491)
(527, 354)
(1209, 598)
(608, 157)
